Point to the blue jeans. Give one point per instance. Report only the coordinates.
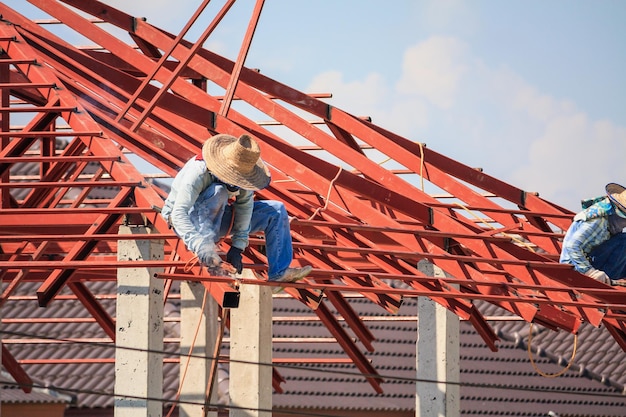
(211, 215)
(610, 256)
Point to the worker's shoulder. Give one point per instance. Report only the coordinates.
(600, 209)
(586, 203)
(194, 166)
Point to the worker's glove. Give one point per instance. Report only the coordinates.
(233, 257)
(208, 257)
(598, 276)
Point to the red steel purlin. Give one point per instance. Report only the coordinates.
(76, 113)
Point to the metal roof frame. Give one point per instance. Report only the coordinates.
(362, 226)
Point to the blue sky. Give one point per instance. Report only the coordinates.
(533, 92)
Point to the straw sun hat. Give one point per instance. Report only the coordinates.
(236, 161)
(617, 194)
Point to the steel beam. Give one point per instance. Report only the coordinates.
(360, 226)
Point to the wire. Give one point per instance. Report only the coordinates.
(216, 355)
(532, 360)
(356, 374)
(288, 411)
(330, 189)
(514, 238)
(211, 406)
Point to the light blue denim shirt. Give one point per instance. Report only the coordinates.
(193, 178)
(581, 238)
(590, 228)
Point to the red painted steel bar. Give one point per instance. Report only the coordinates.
(103, 318)
(5, 125)
(42, 134)
(71, 238)
(148, 78)
(81, 250)
(58, 158)
(182, 64)
(14, 368)
(359, 359)
(53, 109)
(618, 303)
(241, 58)
(66, 184)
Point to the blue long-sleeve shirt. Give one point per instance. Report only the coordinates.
(589, 229)
(192, 179)
(581, 238)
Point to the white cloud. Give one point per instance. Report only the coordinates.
(562, 153)
(573, 159)
(363, 95)
(433, 69)
(489, 117)
(156, 10)
(372, 97)
(167, 14)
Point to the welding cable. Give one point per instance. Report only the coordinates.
(532, 361)
(191, 348)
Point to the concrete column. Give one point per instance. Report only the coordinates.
(251, 343)
(198, 328)
(437, 356)
(139, 329)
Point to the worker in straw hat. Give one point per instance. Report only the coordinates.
(213, 196)
(595, 243)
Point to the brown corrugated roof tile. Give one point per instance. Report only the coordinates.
(493, 382)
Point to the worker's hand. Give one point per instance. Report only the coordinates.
(208, 257)
(598, 276)
(233, 257)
